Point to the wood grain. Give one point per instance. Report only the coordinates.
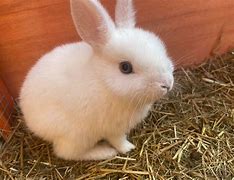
(6, 109)
(191, 30)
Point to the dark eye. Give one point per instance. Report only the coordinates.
(125, 67)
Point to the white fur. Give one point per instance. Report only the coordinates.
(124, 14)
(76, 95)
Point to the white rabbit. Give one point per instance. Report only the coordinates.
(97, 89)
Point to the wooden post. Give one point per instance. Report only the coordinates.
(6, 110)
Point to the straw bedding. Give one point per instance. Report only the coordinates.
(187, 135)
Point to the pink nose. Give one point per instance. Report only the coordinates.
(167, 83)
(165, 87)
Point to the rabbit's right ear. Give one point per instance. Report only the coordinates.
(92, 22)
(125, 14)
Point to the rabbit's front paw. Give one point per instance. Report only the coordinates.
(126, 146)
(122, 144)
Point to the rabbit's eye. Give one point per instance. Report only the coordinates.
(125, 67)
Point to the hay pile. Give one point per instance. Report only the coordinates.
(188, 135)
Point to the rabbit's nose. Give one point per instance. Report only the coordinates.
(167, 84)
(165, 87)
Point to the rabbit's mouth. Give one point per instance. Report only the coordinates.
(155, 92)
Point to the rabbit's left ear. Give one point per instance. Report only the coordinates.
(125, 14)
(92, 21)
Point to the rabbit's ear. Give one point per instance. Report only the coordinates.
(92, 21)
(125, 14)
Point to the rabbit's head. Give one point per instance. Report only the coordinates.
(131, 62)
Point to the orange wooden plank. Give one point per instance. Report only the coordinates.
(191, 29)
(6, 109)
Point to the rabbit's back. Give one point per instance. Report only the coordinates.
(54, 87)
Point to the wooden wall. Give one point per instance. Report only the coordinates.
(6, 110)
(192, 29)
